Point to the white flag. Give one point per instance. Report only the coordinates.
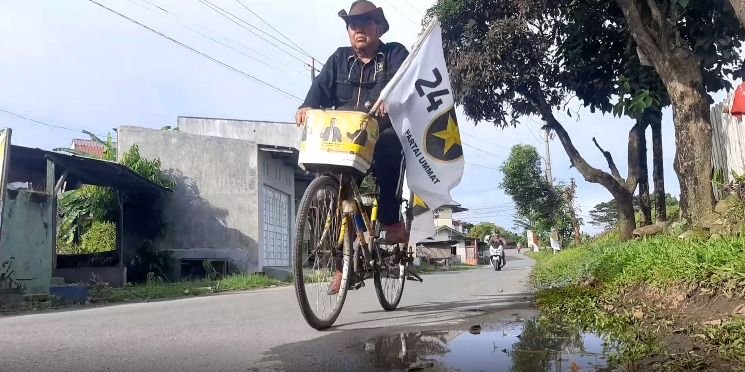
(420, 103)
(423, 223)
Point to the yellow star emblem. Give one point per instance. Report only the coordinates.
(418, 202)
(451, 135)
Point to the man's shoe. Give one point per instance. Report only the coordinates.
(335, 284)
(396, 233)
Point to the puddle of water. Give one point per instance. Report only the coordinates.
(521, 346)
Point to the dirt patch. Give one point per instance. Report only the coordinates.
(679, 316)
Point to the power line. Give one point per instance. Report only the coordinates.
(482, 166)
(241, 72)
(491, 207)
(230, 16)
(411, 6)
(40, 122)
(487, 212)
(278, 31)
(183, 24)
(481, 150)
(54, 126)
(402, 13)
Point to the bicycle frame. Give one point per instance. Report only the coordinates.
(349, 201)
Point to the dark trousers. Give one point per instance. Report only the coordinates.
(389, 166)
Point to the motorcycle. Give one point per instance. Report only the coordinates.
(496, 259)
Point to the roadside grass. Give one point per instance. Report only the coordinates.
(155, 290)
(577, 285)
(659, 262)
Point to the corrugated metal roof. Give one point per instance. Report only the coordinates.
(83, 170)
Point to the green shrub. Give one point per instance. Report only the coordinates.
(101, 237)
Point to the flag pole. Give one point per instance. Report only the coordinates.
(404, 66)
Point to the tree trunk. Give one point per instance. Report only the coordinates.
(739, 6)
(626, 217)
(575, 222)
(680, 70)
(693, 150)
(621, 194)
(658, 169)
(645, 204)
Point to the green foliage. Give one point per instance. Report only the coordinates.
(480, 231)
(149, 169)
(81, 209)
(539, 204)
(245, 282)
(157, 289)
(525, 182)
(483, 229)
(149, 261)
(101, 237)
(605, 214)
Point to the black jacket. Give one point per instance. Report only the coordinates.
(345, 83)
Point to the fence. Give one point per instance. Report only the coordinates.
(728, 144)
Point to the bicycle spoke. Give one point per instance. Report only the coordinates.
(320, 266)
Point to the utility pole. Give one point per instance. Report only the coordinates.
(571, 193)
(312, 69)
(554, 234)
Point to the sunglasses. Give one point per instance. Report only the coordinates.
(360, 22)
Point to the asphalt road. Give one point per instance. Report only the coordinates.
(258, 330)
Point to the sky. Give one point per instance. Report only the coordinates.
(72, 66)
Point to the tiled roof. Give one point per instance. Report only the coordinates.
(88, 147)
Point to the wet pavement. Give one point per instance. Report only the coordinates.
(264, 330)
(520, 345)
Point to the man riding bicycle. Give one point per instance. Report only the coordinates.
(352, 79)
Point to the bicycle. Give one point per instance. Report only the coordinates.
(336, 229)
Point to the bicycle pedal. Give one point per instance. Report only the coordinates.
(415, 279)
(358, 285)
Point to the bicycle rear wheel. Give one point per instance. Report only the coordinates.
(317, 254)
(390, 276)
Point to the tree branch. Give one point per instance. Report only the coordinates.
(588, 172)
(656, 14)
(644, 39)
(609, 159)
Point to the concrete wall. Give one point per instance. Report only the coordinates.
(26, 236)
(276, 174)
(265, 133)
(213, 211)
(445, 217)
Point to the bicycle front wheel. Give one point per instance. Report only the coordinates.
(390, 276)
(318, 255)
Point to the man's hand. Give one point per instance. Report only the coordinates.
(300, 116)
(382, 111)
